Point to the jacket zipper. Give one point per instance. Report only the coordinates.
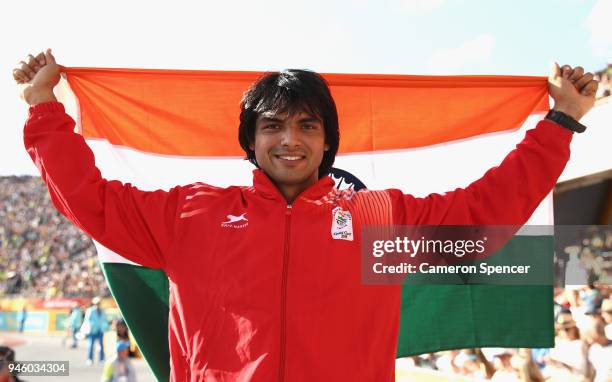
(283, 312)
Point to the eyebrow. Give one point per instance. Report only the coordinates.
(310, 119)
(278, 120)
(269, 119)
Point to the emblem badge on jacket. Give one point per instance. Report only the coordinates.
(342, 224)
(236, 221)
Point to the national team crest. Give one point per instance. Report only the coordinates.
(342, 224)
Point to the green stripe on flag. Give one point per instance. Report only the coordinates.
(444, 317)
(142, 295)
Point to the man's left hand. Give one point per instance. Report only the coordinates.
(572, 89)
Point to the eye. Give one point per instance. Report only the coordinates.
(271, 126)
(309, 127)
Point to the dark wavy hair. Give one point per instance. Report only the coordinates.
(290, 91)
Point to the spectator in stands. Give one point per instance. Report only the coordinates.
(570, 351)
(606, 314)
(592, 262)
(600, 350)
(603, 90)
(505, 372)
(446, 362)
(467, 362)
(528, 369)
(591, 297)
(472, 363)
(540, 357)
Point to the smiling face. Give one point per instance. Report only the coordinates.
(289, 148)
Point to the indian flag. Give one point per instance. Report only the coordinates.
(421, 134)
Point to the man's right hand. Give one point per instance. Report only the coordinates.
(36, 77)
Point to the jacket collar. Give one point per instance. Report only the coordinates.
(264, 186)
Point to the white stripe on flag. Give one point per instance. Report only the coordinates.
(105, 255)
(417, 171)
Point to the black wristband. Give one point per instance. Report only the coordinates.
(565, 121)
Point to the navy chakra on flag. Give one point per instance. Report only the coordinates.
(345, 180)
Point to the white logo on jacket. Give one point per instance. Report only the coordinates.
(342, 224)
(236, 221)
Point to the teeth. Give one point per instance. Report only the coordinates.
(290, 158)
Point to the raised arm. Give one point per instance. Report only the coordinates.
(509, 193)
(135, 224)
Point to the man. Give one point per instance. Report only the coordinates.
(261, 284)
(94, 326)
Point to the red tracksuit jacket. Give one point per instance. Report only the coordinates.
(262, 291)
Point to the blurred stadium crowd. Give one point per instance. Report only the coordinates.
(41, 253)
(604, 77)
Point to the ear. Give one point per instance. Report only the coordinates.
(252, 146)
(326, 147)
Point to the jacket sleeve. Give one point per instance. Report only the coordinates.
(506, 194)
(137, 225)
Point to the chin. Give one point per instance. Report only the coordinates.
(290, 178)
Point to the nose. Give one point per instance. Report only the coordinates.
(291, 137)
